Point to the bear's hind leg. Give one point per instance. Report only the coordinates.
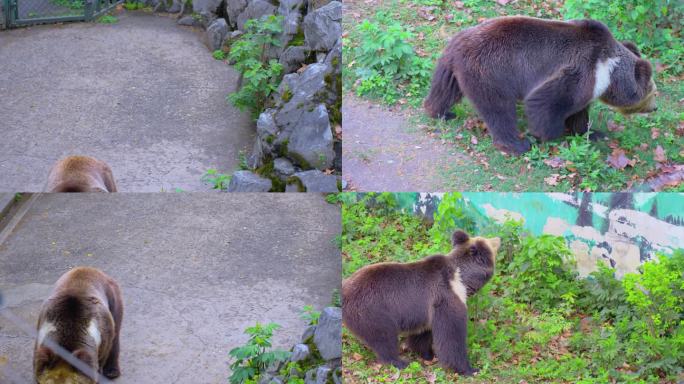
(450, 330)
(421, 343)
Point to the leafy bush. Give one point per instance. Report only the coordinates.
(255, 356)
(218, 55)
(654, 25)
(260, 77)
(385, 57)
(217, 180)
(588, 162)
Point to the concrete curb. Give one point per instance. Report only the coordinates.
(6, 202)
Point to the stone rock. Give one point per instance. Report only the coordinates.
(246, 181)
(337, 376)
(313, 181)
(311, 140)
(292, 16)
(305, 90)
(322, 374)
(299, 352)
(322, 27)
(210, 6)
(328, 336)
(308, 333)
(310, 376)
(292, 58)
(283, 167)
(188, 21)
(233, 9)
(175, 6)
(216, 33)
(256, 9)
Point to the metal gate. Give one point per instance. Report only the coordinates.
(29, 12)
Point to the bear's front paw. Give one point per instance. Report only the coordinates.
(514, 148)
(399, 364)
(470, 372)
(111, 373)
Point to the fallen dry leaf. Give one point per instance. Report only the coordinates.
(655, 133)
(555, 162)
(618, 160)
(473, 140)
(659, 154)
(552, 180)
(615, 127)
(503, 2)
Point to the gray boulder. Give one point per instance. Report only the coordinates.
(322, 374)
(328, 336)
(233, 9)
(216, 33)
(256, 9)
(308, 333)
(246, 181)
(312, 181)
(304, 90)
(292, 16)
(323, 27)
(283, 167)
(202, 6)
(189, 21)
(300, 352)
(292, 58)
(311, 140)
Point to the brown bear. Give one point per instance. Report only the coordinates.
(80, 174)
(556, 68)
(82, 315)
(425, 300)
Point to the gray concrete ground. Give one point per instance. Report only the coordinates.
(195, 270)
(142, 94)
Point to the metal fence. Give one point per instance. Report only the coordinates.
(30, 12)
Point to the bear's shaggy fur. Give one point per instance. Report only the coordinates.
(425, 300)
(82, 315)
(556, 68)
(80, 174)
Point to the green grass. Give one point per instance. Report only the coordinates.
(107, 19)
(535, 321)
(427, 27)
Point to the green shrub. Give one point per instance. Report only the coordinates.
(256, 355)
(217, 180)
(654, 25)
(218, 55)
(260, 77)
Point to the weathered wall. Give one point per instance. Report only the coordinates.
(623, 228)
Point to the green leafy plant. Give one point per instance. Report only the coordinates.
(133, 5)
(217, 180)
(218, 55)
(310, 315)
(107, 19)
(587, 161)
(256, 355)
(260, 76)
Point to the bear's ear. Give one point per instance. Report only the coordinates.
(632, 47)
(642, 72)
(495, 243)
(459, 237)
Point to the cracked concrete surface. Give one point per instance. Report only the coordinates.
(195, 270)
(143, 94)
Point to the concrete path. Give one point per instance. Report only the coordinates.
(383, 152)
(195, 270)
(143, 94)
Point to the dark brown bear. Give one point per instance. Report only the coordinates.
(556, 68)
(425, 300)
(80, 174)
(83, 315)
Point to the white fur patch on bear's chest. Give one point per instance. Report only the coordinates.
(45, 329)
(457, 286)
(94, 332)
(602, 75)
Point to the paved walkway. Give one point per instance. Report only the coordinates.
(195, 270)
(143, 94)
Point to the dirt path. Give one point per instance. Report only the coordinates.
(195, 270)
(383, 152)
(142, 94)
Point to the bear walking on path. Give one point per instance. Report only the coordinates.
(556, 68)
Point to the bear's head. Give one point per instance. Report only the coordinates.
(479, 250)
(631, 89)
(51, 369)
